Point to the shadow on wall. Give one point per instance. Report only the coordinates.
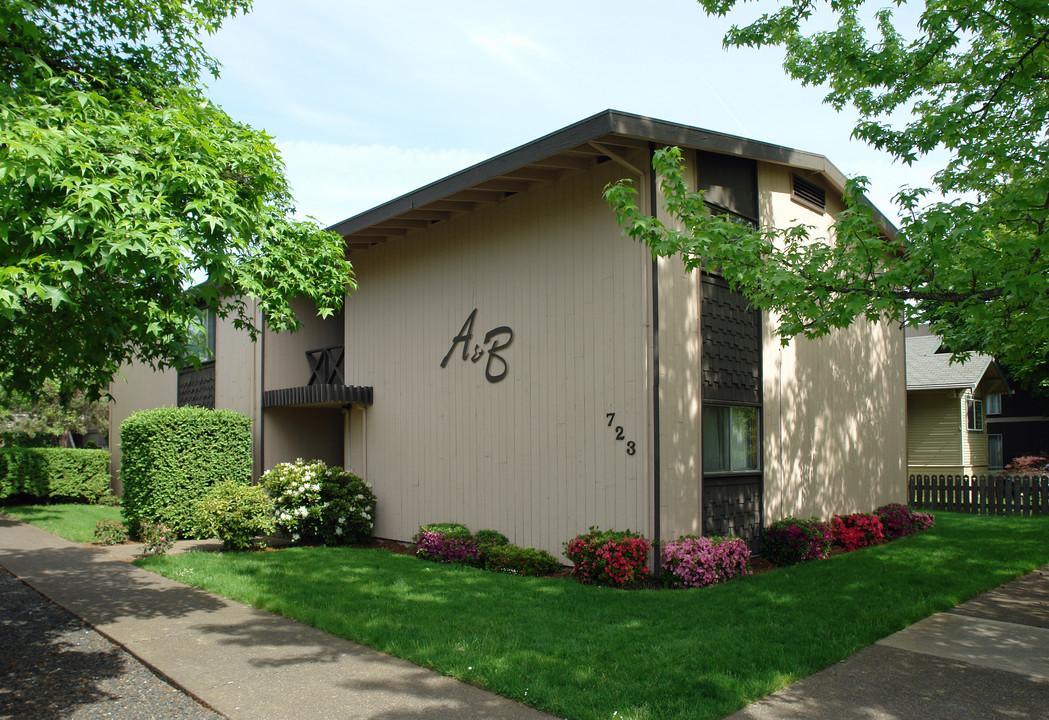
(307, 432)
(681, 497)
(839, 445)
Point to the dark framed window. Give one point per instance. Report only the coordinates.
(202, 333)
(995, 459)
(994, 404)
(731, 438)
(974, 415)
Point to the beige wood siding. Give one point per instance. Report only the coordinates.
(308, 432)
(136, 387)
(834, 408)
(237, 365)
(285, 364)
(533, 455)
(934, 431)
(680, 397)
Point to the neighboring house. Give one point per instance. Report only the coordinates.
(947, 407)
(511, 361)
(1017, 426)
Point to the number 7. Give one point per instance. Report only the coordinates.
(611, 417)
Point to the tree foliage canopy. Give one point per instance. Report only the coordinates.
(120, 184)
(968, 78)
(41, 421)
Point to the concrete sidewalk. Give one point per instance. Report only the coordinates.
(242, 662)
(985, 658)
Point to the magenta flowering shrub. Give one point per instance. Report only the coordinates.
(899, 521)
(606, 557)
(447, 548)
(701, 561)
(793, 540)
(856, 531)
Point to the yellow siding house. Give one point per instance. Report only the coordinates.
(946, 415)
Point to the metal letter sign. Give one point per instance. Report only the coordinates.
(465, 336)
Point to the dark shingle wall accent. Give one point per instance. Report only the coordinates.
(197, 387)
(731, 345)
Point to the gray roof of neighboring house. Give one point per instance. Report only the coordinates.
(928, 369)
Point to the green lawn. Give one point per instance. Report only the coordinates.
(587, 652)
(71, 521)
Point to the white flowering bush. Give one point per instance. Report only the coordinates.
(314, 503)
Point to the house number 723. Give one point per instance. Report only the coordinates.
(631, 448)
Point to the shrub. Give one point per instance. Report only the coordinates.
(701, 561)
(519, 561)
(899, 520)
(792, 540)
(171, 458)
(449, 529)
(158, 538)
(491, 537)
(110, 532)
(606, 557)
(856, 531)
(314, 503)
(235, 513)
(54, 474)
(447, 548)
(1027, 465)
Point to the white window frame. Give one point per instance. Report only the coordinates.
(974, 421)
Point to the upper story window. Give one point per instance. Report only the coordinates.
(731, 441)
(202, 334)
(974, 414)
(994, 404)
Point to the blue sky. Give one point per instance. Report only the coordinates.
(369, 100)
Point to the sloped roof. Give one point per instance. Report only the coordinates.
(575, 148)
(928, 369)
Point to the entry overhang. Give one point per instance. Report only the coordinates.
(318, 395)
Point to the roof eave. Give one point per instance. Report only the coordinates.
(607, 122)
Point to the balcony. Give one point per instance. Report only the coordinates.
(326, 384)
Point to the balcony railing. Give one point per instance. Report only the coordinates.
(326, 366)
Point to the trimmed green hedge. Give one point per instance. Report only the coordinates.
(54, 474)
(171, 458)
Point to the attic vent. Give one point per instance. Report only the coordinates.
(809, 194)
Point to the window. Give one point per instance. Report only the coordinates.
(994, 404)
(202, 334)
(974, 413)
(730, 438)
(995, 459)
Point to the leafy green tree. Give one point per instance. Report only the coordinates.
(970, 79)
(120, 184)
(42, 420)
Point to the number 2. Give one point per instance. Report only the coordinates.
(619, 432)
